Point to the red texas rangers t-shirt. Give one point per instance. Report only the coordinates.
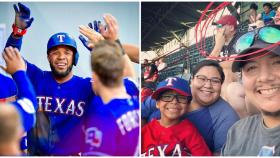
(182, 139)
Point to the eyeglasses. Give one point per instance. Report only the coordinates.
(203, 79)
(170, 97)
(269, 34)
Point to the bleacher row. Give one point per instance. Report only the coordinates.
(186, 58)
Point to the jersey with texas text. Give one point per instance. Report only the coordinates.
(182, 139)
(60, 111)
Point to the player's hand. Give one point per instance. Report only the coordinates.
(95, 25)
(13, 60)
(111, 30)
(22, 19)
(93, 37)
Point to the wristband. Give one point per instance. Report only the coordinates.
(119, 42)
(17, 31)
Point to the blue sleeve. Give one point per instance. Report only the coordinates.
(131, 87)
(26, 103)
(148, 108)
(226, 117)
(34, 73)
(14, 42)
(7, 87)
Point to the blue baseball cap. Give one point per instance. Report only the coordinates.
(177, 84)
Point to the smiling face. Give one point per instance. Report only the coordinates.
(206, 93)
(261, 80)
(61, 60)
(171, 111)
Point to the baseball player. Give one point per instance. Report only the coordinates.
(20, 113)
(112, 123)
(171, 136)
(63, 97)
(113, 118)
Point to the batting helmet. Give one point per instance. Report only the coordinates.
(63, 38)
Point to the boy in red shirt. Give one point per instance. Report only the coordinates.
(171, 136)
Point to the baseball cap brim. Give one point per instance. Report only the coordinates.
(237, 65)
(163, 89)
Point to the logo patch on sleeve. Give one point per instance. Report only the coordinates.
(93, 137)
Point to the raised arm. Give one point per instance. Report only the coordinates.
(21, 23)
(109, 32)
(26, 103)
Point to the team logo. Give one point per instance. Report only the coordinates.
(61, 38)
(93, 137)
(170, 81)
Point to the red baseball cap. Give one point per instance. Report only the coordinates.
(228, 20)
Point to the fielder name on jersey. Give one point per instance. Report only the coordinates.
(60, 106)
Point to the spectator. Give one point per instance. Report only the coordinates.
(258, 134)
(225, 39)
(253, 13)
(162, 65)
(268, 14)
(150, 74)
(207, 105)
(252, 16)
(171, 136)
(277, 16)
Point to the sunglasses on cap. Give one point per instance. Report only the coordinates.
(217, 25)
(268, 34)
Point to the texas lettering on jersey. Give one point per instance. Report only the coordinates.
(60, 106)
(167, 150)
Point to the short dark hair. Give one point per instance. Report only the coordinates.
(268, 5)
(108, 63)
(254, 6)
(209, 63)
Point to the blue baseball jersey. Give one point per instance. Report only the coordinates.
(60, 112)
(7, 88)
(131, 88)
(113, 128)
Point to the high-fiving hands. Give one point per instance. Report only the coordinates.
(97, 31)
(22, 19)
(13, 61)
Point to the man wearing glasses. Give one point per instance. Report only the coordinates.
(258, 134)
